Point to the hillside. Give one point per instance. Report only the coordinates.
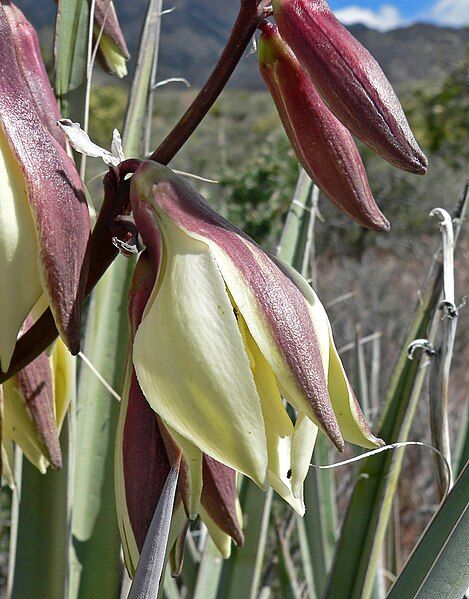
(191, 41)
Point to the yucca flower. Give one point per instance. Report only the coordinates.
(323, 146)
(146, 449)
(44, 219)
(35, 402)
(112, 53)
(349, 80)
(226, 334)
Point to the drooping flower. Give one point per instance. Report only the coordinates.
(323, 146)
(44, 219)
(350, 80)
(35, 402)
(226, 333)
(112, 52)
(146, 449)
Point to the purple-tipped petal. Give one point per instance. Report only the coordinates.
(145, 463)
(144, 459)
(28, 54)
(55, 195)
(273, 307)
(176, 557)
(219, 497)
(112, 50)
(105, 14)
(322, 144)
(36, 389)
(350, 80)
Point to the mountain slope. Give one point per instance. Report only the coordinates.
(194, 34)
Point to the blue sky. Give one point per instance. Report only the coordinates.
(388, 14)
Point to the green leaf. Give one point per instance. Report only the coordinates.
(292, 244)
(151, 564)
(241, 574)
(71, 56)
(43, 536)
(461, 451)
(360, 544)
(307, 562)
(136, 108)
(438, 567)
(209, 572)
(287, 573)
(94, 521)
(321, 515)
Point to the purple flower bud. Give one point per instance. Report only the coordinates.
(112, 50)
(350, 80)
(322, 144)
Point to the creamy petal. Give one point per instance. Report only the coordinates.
(353, 425)
(191, 363)
(272, 305)
(64, 367)
(18, 426)
(221, 539)
(18, 251)
(304, 439)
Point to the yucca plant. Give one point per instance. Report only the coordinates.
(200, 420)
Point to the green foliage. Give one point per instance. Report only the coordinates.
(257, 202)
(107, 108)
(442, 116)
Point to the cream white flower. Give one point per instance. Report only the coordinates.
(227, 334)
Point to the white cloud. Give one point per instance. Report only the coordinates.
(454, 13)
(384, 18)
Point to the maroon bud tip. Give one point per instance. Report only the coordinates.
(349, 80)
(267, 29)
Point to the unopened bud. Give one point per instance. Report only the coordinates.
(350, 80)
(323, 146)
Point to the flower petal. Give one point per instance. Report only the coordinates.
(64, 367)
(35, 387)
(19, 428)
(112, 50)
(190, 360)
(34, 72)
(304, 439)
(219, 495)
(145, 463)
(56, 198)
(219, 537)
(190, 478)
(271, 304)
(352, 422)
(18, 251)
